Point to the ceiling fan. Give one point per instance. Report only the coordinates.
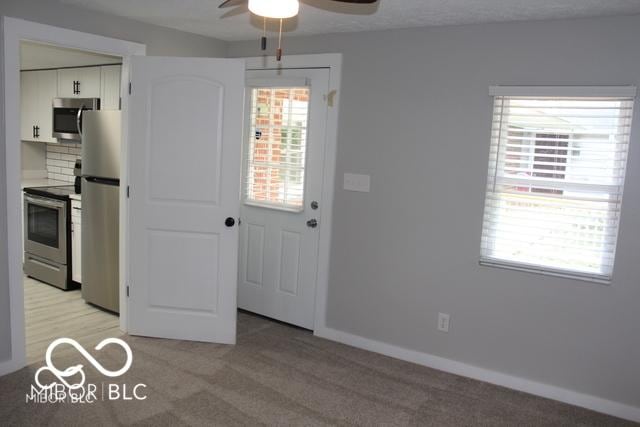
(278, 9)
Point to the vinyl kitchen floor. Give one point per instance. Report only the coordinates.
(280, 375)
(51, 313)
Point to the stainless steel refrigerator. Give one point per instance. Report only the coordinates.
(101, 140)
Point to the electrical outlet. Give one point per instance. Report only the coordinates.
(443, 322)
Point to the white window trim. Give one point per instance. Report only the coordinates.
(560, 91)
(555, 91)
(546, 271)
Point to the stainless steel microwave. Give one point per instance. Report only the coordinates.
(67, 117)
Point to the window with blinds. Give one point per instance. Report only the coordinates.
(276, 148)
(556, 174)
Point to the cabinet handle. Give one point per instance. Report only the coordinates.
(33, 131)
(78, 86)
(37, 131)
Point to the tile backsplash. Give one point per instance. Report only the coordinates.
(61, 158)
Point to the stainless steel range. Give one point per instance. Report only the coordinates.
(47, 235)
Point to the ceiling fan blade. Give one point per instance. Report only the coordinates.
(346, 7)
(238, 10)
(228, 3)
(357, 1)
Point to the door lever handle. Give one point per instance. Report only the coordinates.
(312, 223)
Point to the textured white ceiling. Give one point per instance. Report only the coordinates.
(321, 16)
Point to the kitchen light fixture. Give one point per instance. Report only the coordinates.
(278, 9)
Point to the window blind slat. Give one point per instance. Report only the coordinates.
(555, 181)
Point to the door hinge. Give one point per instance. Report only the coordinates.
(127, 291)
(128, 192)
(129, 88)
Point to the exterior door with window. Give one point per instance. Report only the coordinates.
(281, 212)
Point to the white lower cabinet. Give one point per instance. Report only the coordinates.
(76, 239)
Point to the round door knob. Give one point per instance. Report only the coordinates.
(312, 223)
(229, 222)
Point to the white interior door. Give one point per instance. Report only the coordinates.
(282, 186)
(185, 121)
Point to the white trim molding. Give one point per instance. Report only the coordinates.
(604, 91)
(13, 31)
(571, 397)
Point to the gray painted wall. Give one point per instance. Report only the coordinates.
(159, 41)
(415, 114)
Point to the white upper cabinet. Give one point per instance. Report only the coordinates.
(110, 87)
(28, 91)
(38, 88)
(83, 82)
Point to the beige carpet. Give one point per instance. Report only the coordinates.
(279, 375)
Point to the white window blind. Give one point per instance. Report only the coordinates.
(555, 183)
(276, 147)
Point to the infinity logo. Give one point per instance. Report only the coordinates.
(77, 369)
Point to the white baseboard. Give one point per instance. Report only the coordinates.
(8, 366)
(521, 384)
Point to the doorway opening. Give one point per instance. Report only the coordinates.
(282, 205)
(69, 116)
(47, 261)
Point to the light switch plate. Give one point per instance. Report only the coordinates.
(357, 182)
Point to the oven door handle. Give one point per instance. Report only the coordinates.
(44, 202)
(43, 264)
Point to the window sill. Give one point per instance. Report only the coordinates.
(544, 271)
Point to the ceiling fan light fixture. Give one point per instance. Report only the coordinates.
(278, 9)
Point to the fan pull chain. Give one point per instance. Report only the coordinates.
(279, 51)
(263, 40)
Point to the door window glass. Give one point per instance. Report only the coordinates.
(276, 147)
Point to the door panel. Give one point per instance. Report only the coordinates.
(185, 128)
(66, 79)
(101, 144)
(282, 176)
(47, 91)
(110, 78)
(28, 104)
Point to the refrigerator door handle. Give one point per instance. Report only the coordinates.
(105, 181)
(79, 120)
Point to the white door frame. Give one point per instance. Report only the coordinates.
(13, 31)
(332, 61)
